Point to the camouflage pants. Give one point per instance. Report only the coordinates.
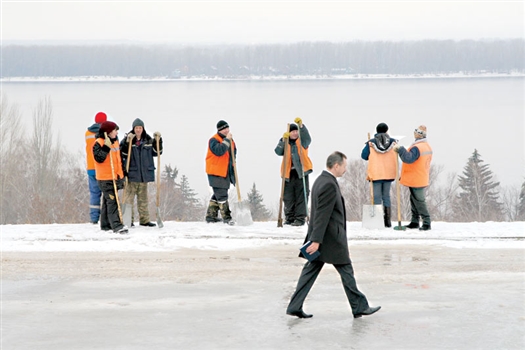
(139, 189)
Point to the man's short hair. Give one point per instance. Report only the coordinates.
(335, 158)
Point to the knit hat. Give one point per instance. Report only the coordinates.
(100, 117)
(222, 125)
(381, 128)
(293, 127)
(137, 122)
(107, 127)
(420, 132)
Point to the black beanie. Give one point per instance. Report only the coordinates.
(222, 125)
(293, 127)
(381, 128)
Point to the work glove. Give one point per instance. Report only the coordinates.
(298, 121)
(286, 135)
(107, 141)
(156, 135)
(396, 148)
(130, 137)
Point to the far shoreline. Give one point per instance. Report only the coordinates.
(256, 78)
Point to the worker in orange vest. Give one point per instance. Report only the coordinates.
(381, 158)
(219, 167)
(296, 170)
(94, 190)
(415, 174)
(110, 174)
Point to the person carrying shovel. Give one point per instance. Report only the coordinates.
(381, 158)
(415, 174)
(110, 177)
(298, 166)
(137, 150)
(219, 167)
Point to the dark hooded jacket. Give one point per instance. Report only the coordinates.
(141, 163)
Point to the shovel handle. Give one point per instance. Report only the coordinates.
(235, 173)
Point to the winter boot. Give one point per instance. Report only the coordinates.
(226, 213)
(213, 212)
(387, 212)
(413, 225)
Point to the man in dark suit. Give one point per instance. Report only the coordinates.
(327, 232)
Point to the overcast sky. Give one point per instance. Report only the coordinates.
(260, 22)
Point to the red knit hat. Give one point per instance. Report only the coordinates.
(108, 127)
(100, 117)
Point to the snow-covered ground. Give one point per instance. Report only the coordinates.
(199, 235)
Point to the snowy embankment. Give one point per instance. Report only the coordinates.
(199, 235)
(44, 79)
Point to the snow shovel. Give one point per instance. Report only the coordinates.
(243, 216)
(114, 182)
(160, 224)
(304, 180)
(399, 227)
(372, 214)
(128, 208)
(283, 182)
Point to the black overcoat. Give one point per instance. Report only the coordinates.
(328, 221)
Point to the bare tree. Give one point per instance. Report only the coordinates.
(510, 198)
(12, 170)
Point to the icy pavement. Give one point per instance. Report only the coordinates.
(186, 286)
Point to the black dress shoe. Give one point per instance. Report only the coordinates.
(299, 314)
(368, 312)
(149, 224)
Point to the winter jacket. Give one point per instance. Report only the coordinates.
(297, 156)
(103, 162)
(91, 136)
(416, 164)
(141, 163)
(219, 166)
(381, 158)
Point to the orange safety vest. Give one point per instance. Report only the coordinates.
(90, 141)
(417, 174)
(103, 169)
(303, 155)
(381, 166)
(218, 165)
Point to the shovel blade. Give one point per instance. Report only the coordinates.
(242, 215)
(126, 214)
(373, 217)
(160, 224)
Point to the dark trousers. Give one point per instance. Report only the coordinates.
(309, 274)
(220, 195)
(418, 206)
(109, 216)
(382, 192)
(294, 198)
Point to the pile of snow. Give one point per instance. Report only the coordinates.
(199, 235)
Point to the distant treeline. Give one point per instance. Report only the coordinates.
(305, 58)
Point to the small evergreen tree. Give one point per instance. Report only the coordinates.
(478, 200)
(257, 208)
(191, 208)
